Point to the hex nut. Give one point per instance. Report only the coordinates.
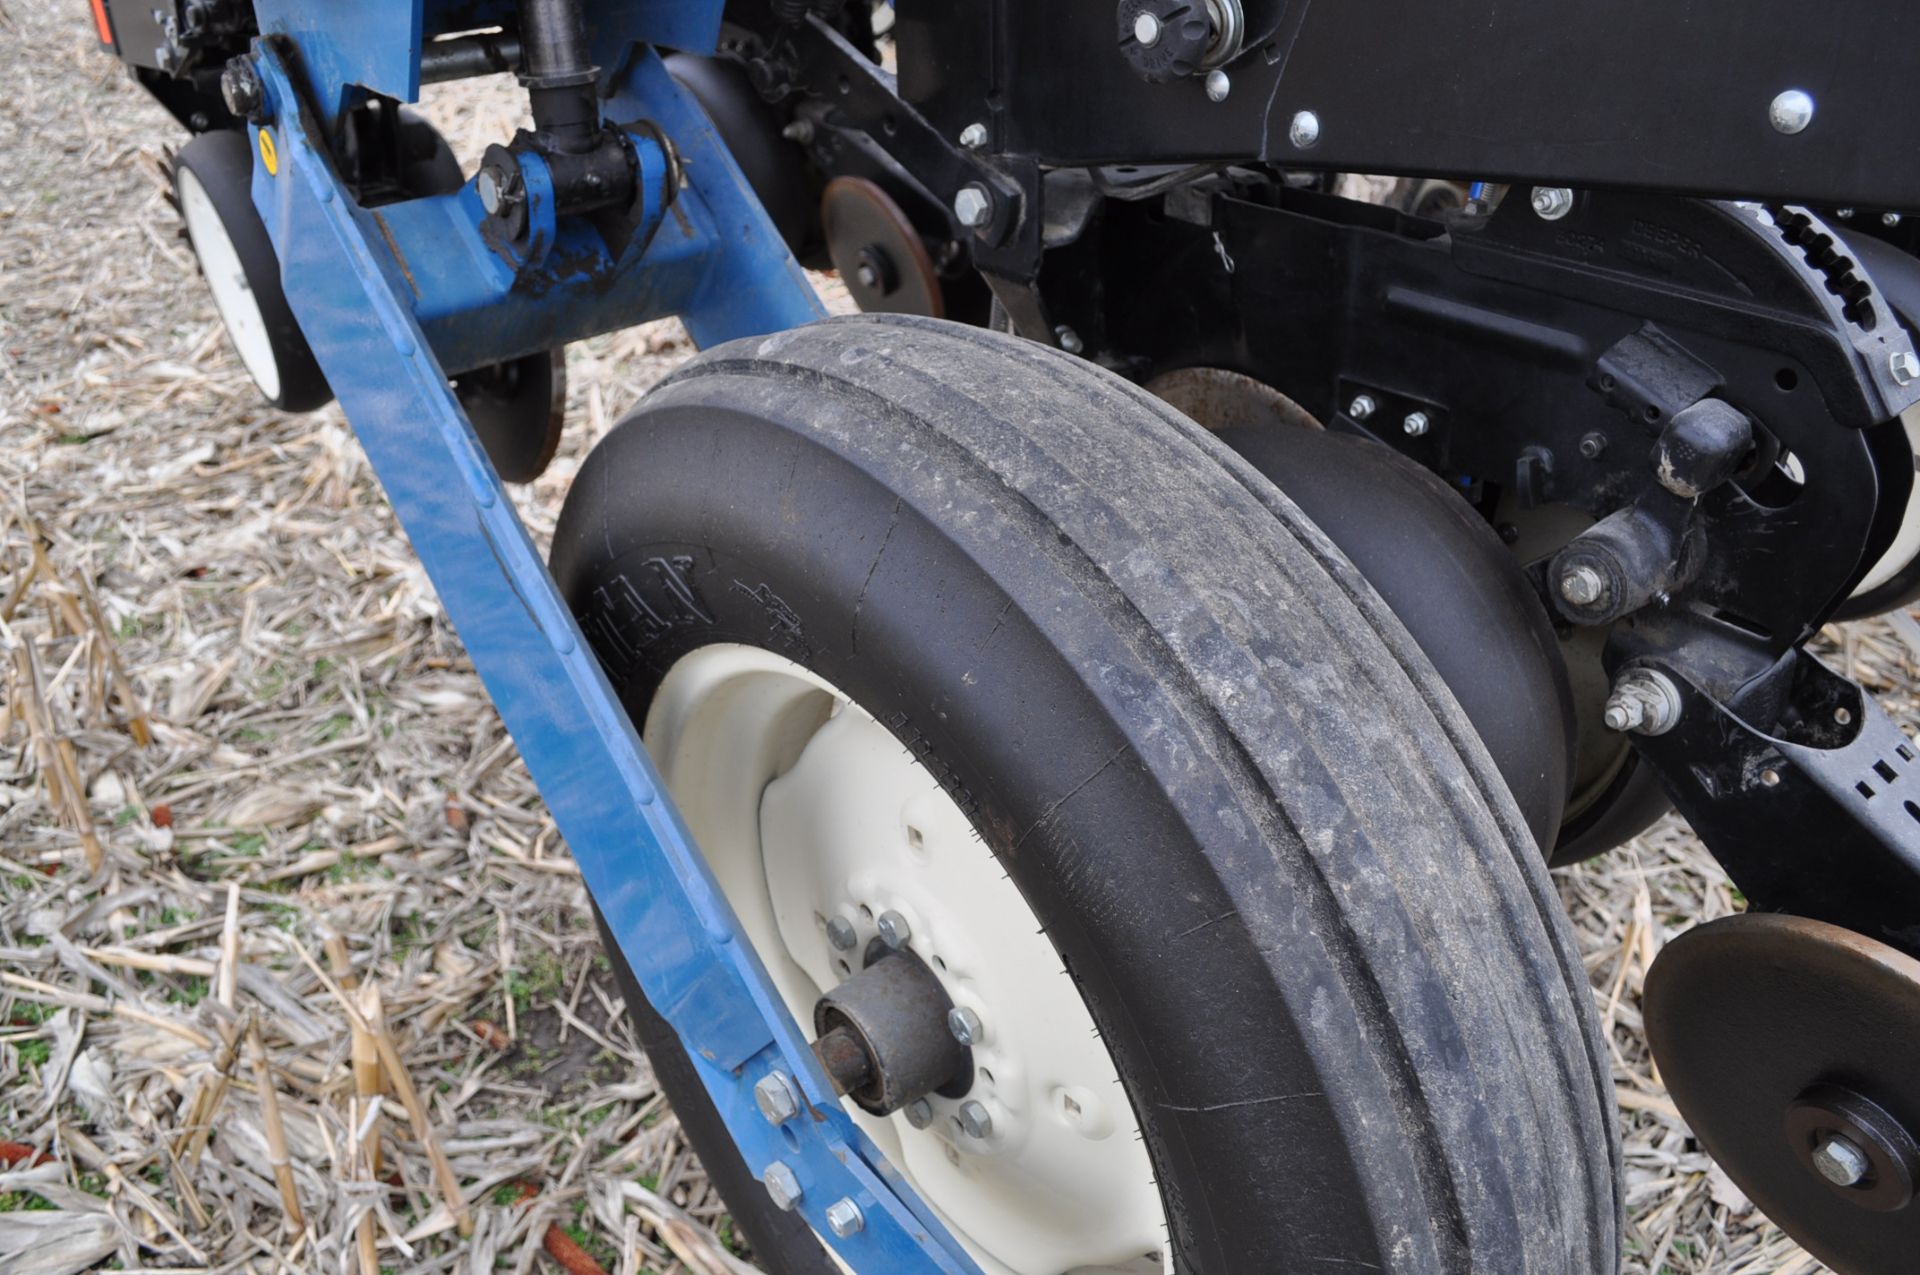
(975, 1119)
(782, 1187)
(965, 1026)
(974, 136)
(241, 89)
(973, 206)
(1362, 407)
(842, 935)
(776, 1097)
(1416, 424)
(919, 1113)
(894, 930)
(1583, 586)
(1905, 366)
(1551, 203)
(1840, 1161)
(844, 1218)
(1644, 701)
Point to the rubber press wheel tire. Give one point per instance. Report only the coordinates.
(212, 182)
(1321, 953)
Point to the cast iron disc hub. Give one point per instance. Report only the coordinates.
(884, 1037)
(880, 256)
(1777, 1035)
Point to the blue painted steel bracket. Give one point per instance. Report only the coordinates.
(728, 275)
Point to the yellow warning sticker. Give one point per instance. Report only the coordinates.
(268, 155)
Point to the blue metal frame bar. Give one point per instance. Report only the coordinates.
(355, 285)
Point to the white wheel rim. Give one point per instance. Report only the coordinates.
(806, 808)
(232, 293)
(1906, 544)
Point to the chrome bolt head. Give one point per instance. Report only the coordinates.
(1218, 85)
(844, 1218)
(1304, 132)
(1890, 220)
(1583, 586)
(973, 207)
(782, 1187)
(894, 930)
(1840, 1160)
(776, 1097)
(965, 1026)
(919, 1113)
(974, 136)
(1791, 112)
(1146, 30)
(1069, 339)
(975, 1119)
(1905, 366)
(1416, 424)
(842, 935)
(1362, 407)
(1551, 203)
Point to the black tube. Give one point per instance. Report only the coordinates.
(466, 56)
(558, 76)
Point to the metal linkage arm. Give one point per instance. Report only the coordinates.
(390, 301)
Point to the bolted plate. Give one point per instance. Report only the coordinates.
(1775, 1032)
(880, 256)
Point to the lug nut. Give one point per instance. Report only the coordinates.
(965, 1026)
(919, 1113)
(1583, 586)
(894, 930)
(782, 1186)
(973, 136)
(1840, 1160)
(1551, 203)
(779, 1102)
(973, 206)
(842, 935)
(975, 1119)
(844, 1218)
(1416, 424)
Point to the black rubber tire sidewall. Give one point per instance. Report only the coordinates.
(807, 514)
(223, 163)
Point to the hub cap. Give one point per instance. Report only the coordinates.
(811, 814)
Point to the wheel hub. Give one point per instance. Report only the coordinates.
(847, 864)
(1788, 1045)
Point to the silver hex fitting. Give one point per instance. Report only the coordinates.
(1644, 701)
(777, 1098)
(782, 1187)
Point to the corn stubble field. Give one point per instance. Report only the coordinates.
(295, 972)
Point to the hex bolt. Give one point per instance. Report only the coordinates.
(976, 1119)
(867, 275)
(1583, 586)
(241, 89)
(973, 206)
(1593, 446)
(800, 131)
(1552, 203)
(1890, 220)
(894, 930)
(1840, 1160)
(1305, 130)
(782, 1186)
(1791, 112)
(974, 136)
(1218, 85)
(844, 1218)
(778, 1100)
(1362, 407)
(842, 935)
(1416, 424)
(1905, 367)
(1069, 339)
(965, 1026)
(1644, 701)
(1146, 30)
(919, 1113)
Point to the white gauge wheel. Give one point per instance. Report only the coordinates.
(233, 294)
(1906, 544)
(808, 810)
